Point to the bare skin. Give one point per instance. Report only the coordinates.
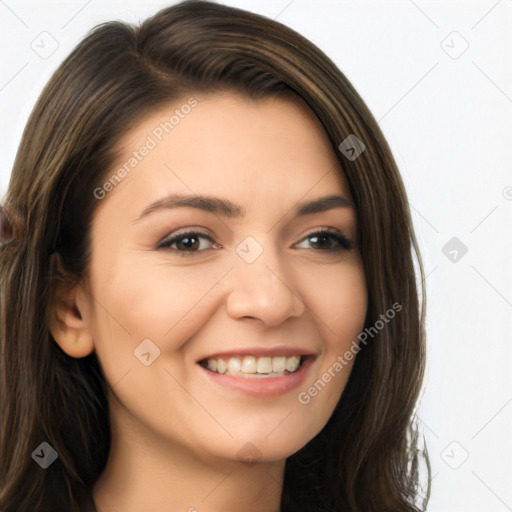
(180, 439)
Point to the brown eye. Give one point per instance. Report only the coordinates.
(189, 242)
(327, 241)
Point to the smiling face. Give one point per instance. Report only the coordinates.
(231, 246)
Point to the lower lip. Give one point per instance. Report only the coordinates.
(266, 386)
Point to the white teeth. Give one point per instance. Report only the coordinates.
(292, 363)
(221, 366)
(233, 365)
(264, 365)
(251, 366)
(279, 364)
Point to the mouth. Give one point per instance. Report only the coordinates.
(254, 367)
(258, 374)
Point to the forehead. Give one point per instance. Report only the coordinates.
(225, 143)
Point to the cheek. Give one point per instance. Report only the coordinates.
(164, 304)
(348, 310)
(337, 295)
(338, 299)
(167, 306)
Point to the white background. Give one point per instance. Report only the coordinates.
(447, 116)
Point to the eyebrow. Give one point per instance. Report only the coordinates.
(228, 209)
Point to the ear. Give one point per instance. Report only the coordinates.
(68, 318)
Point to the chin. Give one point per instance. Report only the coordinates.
(264, 447)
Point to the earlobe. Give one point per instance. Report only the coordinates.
(68, 322)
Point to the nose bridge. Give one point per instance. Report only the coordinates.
(261, 288)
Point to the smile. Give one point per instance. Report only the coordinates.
(254, 367)
(259, 376)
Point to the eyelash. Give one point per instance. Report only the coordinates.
(344, 243)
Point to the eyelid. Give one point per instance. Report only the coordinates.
(180, 233)
(330, 230)
(345, 243)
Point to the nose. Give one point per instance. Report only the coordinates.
(264, 291)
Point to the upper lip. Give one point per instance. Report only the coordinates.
(259, 352)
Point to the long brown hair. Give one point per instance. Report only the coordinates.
(366, 458)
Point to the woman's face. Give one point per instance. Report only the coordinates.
(208, 252)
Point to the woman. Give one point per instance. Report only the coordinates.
(208, 298)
